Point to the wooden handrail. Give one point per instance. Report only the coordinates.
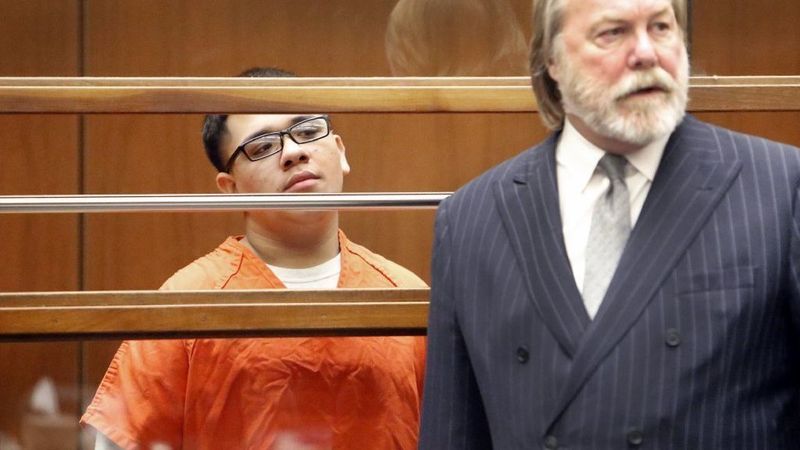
(341, 312)
(346, 95)
(32, 316)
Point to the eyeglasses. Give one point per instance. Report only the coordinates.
(268, 144)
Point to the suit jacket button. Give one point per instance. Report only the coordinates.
(673, 338)
(635, 438)
(550, 442)
(522, 355)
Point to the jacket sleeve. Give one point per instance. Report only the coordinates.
(453, 415)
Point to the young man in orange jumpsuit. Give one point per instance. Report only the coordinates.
(276, 393)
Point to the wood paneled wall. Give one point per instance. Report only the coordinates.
(745, 38)
(39, 154)
(163, 153)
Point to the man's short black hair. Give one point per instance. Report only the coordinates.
(214, 127)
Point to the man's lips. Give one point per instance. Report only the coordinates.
(646, 91)
(297, 179)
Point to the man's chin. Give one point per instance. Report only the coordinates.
(289, 215)
(635, 130)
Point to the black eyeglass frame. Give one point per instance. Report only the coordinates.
(285, 132)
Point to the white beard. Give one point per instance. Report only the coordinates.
(608, 110)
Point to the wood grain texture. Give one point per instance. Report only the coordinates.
(38, 155)
(348, 95)
(745, 39)
(152, 314)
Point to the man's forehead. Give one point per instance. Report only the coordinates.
(601, 9)
(242, 126)
(274, 121)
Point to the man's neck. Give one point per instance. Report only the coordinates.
(293, 239)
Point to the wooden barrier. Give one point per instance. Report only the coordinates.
(346, 95)
(170, 314)
(340, 312)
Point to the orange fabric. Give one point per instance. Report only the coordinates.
(341, 393)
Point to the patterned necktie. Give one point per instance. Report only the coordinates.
(611, 225)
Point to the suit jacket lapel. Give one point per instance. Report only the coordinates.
(690, 181)
(528, 205)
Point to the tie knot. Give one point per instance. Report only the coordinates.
(614, 166)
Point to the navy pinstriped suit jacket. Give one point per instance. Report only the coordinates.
(696, 344)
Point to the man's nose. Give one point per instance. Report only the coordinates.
(292, 152)
(643, 55)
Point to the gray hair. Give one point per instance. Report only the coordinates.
(548, 19)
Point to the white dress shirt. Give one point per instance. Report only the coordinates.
(580, 185)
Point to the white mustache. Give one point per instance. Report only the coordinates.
(655, 78)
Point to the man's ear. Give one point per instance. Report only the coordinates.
(342, 157)
(226, 183)
(553, 69)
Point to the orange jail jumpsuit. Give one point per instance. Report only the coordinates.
(266, 393)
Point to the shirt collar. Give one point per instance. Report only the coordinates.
(579, 157)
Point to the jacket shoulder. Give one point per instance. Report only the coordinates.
(734, 143)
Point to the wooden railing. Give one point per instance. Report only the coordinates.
(346, 95)
(157, 314)
(166, 314)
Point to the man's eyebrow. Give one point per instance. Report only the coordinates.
(604, 21)
(263, 131)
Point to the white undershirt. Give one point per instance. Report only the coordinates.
(579, 187)
(323, 276)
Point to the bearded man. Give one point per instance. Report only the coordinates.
(632, 281)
